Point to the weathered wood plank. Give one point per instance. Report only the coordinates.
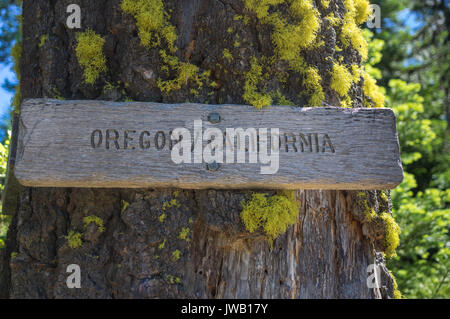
(65, 144)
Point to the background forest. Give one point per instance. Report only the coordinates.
(410, 58)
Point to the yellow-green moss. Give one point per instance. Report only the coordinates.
(281, 99)
(162, 217)
(172, 203)
(125, 204)
(335, 21)
(176, 255)
(357, 73)
(162, 245)
(291, 34)
(397, 293)
(325, 3)
(251, 93)
(392, 235)
(384, 196)
(90, 55)
(43, 40)
(74, 240)
(16, 54)
(173, 280)
(261, 7)
(56, 94)
(362, 10)
(96, 220)
(185, 73)
(13, 255)
(184, 233)
(227, 55)
(351, 34)
(341, 79)
(373, 92)
(274, 214)
(245, 19)
(111, 87)
(384, 220)
(170, 279)
(368, 211)
(152, 22)
(313, 84)
(2, 244)
(289, 38)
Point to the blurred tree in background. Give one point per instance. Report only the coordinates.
(410, 58)
(9, 35)
(4, 220)
(9, 29)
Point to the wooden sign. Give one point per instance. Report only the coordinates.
(134, 145)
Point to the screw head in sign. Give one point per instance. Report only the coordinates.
(214, 118)
(213, 167)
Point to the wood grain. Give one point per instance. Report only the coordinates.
(55, 147)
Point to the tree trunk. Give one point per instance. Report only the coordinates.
(324, 255)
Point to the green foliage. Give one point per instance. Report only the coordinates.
(423, 262)
(415, 130)
(274, 214)
(418, 52)
(421, 202)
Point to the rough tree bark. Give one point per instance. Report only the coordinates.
(324, 255)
